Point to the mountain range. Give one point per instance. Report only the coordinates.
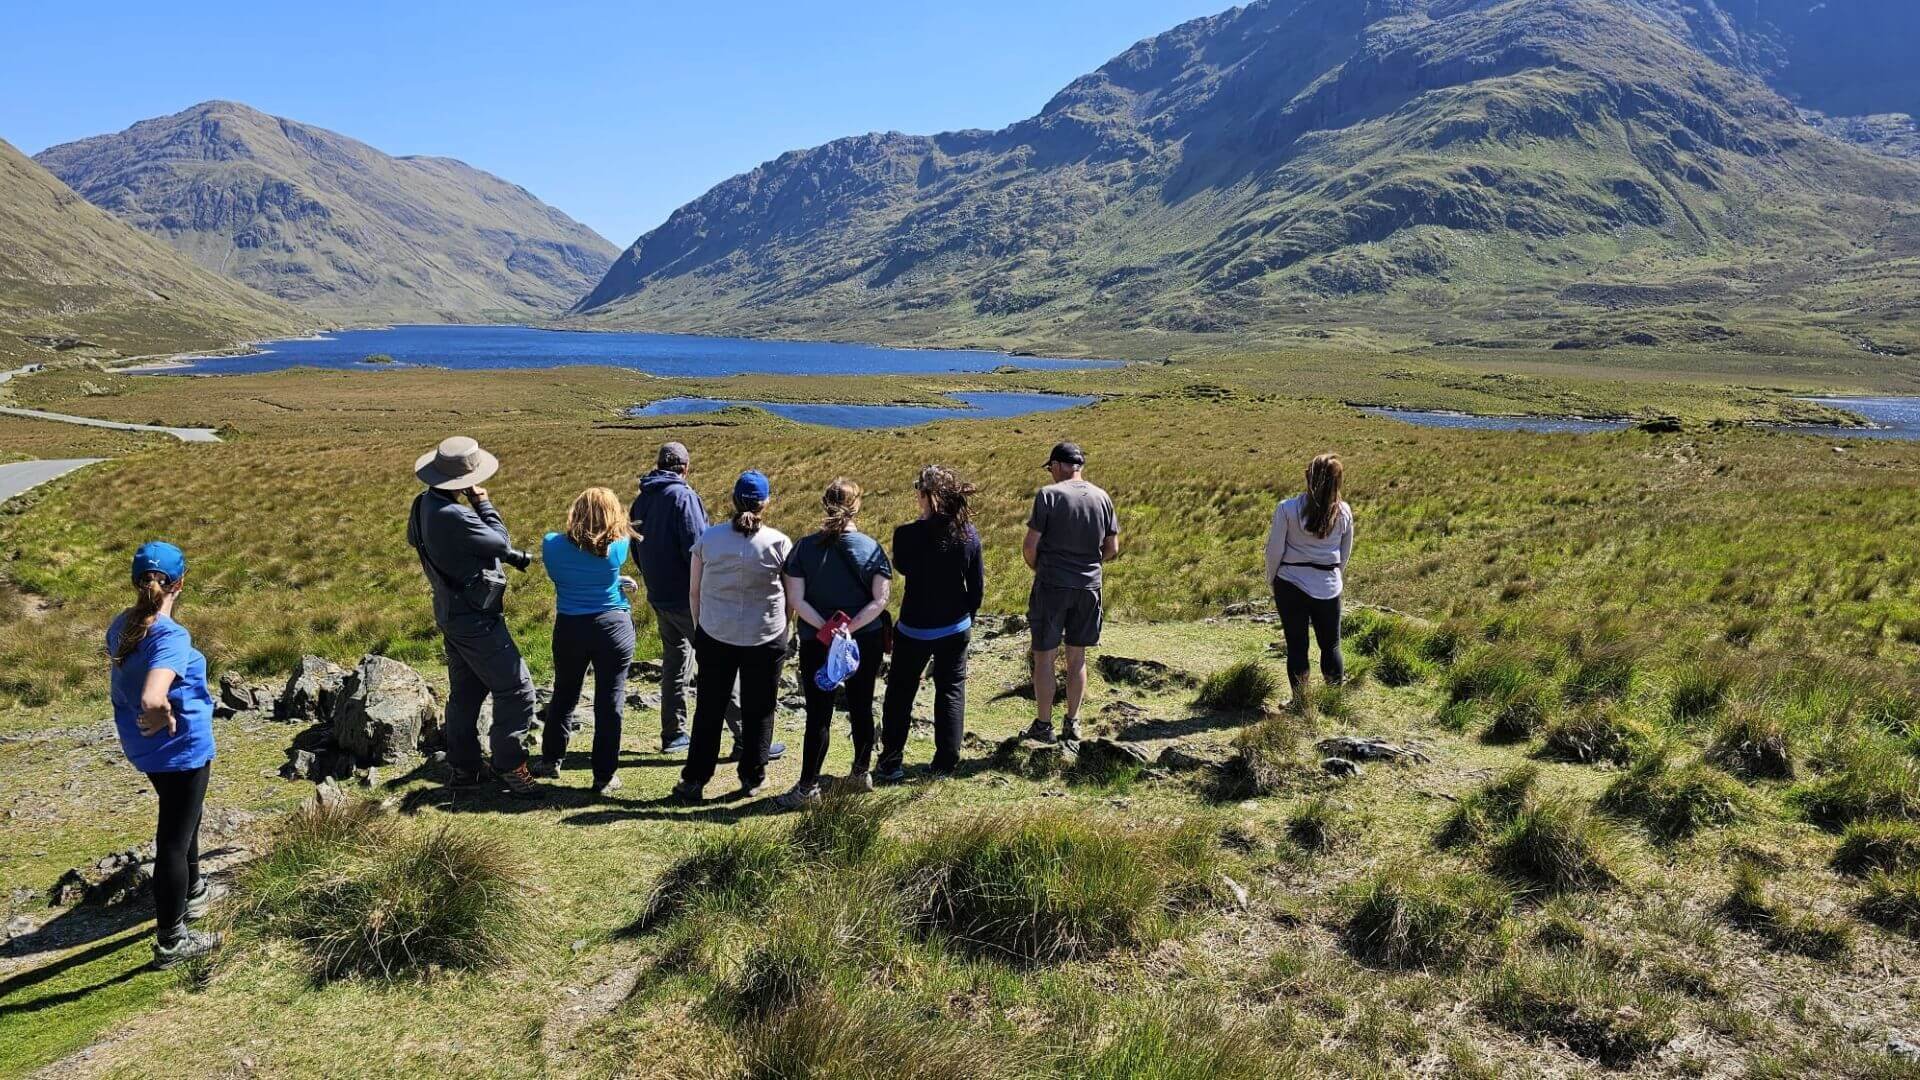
(332, 225)
(1586, 172)
(77, 281)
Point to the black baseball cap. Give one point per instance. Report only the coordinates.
(1067, 453)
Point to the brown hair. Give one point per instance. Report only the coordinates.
(746, 515)
(596, 521)
(948, 494)
(149, 593)
(842, 503)
(1322, 511)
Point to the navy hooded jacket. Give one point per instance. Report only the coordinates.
(669, 516)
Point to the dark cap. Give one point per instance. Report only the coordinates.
(672, 456)
(1067, 453)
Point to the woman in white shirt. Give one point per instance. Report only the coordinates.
(1307, 549)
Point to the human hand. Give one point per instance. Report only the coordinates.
(628, 585)
(477, 494)
(155, 719)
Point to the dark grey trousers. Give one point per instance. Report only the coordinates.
(676, 676)
(482, 659)
(603, 642)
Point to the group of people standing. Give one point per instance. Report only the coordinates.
(725, 598)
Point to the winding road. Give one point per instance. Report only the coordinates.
(184, 434)
(22, 476)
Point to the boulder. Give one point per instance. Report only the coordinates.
(1190, 757)
(310, 692)
(1145, 674)
(1358, 748)
(1340, 767)
(1101, 754)
(384, 712)
(646, 669)
(237, 695)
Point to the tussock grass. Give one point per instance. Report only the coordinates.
(1188, 1045)
(1605, 665)
(1489, 808)
(1893, 901)
(1046, 886)
(1590, 1009)
(843, 828)
(1556, 845)
(1753, 740)
(1867, 846)
(1402, 917)
(1676, 801)
(735, 871)
(828, 925)
(1872, 776)
(1700, 690)
(1319, 825)
(365, 895)
(1593, 734)
(1749, 904)
(1510, 687)
(1265, 757)
(1248, 686)
(1444, 644)
(830, 1036)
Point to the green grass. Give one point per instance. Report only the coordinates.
(1867, 846)
(1555, 844)
(1491, 807)
(1404, 918)
(1871, 777)
(1588, 1009)
(1893, 901)
(1752, 905)
(1595, 734)
(1244, 687)
(1673, 801)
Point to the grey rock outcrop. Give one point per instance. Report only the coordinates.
(310, 691)
(383, 712)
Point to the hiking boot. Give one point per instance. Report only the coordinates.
(748, 791)
(521, 785)
(799, 798)
(545, 768)
(1041, 731)
(458, 777)
(186, 945)
(685, 794)
(201, 900)
(676, 745)
(608, 786)
(860, 783)
(895, 775)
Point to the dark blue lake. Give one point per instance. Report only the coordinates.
(671, 355)
(1549, 425)
(1892, 418)
(984, 405)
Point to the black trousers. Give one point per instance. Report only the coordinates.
(605, 642)
(483, 659)
(1298, 611)
(859, 688)
(176, 846)
(757, 667)
(948, 655)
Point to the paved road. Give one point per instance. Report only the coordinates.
(184, 434)
(23, 475)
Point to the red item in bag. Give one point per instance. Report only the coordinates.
(840, 621)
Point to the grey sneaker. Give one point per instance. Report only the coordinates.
(798, 799)
(544, 768)
(860, 783)
(1041, 731)
(201, 900)
(609, 785)
(1070, 734)
(186, 945)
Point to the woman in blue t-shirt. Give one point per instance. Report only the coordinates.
(592, 625)
(164, 714)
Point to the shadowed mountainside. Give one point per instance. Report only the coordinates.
(332, 224)
(1421, 164)
(75, 280)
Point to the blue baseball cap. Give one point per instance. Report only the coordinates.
(753, 486)
(158, 556)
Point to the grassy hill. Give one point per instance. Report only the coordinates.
(1573, 171)
(334, 225)
(75, 281)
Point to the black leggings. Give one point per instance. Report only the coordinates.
(176, 846)
(604, 642)
(757, 668)
(1298, 610)
(859, 689)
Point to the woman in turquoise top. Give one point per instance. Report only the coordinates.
(163, 712)
(592, 625)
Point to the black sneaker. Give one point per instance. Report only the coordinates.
(1041, 731)
(895, 775)
(201, 900)
(685, 794)
(467, 778)
(544, 768)
(186, 945)
(1070, 734)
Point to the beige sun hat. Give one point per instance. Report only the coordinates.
(455, 465)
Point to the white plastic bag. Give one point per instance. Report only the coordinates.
(843, 659)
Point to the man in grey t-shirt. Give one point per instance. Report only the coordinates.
(1072, 531)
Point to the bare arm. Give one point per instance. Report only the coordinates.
(882, 589)
(693, 589)
(156, 712)
(1110, 547)
(1030, 549)
(1346, 542)
(797, 602)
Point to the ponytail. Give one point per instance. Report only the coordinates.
(150, 592)
(746, 516)
(1322, 511)
(842, 504)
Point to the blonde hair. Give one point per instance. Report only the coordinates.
(150, 592)
(842, 503)
(1322, 512)
(597, 521)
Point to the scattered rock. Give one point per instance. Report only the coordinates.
(237, 695)
(384, 712)
(1033, 760)
(1183, 757)
(1145, 674)
(1240, 896)
(310, 692)
(1341, 767)
(1245, 608)
(638, 700)
(1123, 711)
(1100, 754)
(1902, 1049)
(646, 669)
(326, 795)
(114, 879)
(1358, 748)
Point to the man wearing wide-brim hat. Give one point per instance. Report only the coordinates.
(461, 550)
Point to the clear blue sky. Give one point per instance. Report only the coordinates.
(615, 112)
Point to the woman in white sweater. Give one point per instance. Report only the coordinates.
(1307, 549)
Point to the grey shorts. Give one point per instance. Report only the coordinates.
(1069, 616)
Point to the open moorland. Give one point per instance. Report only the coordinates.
(1652, 807)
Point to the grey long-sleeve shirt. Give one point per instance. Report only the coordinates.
(460, 541)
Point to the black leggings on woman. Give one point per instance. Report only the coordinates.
(859, 689)
(176, 846)
(1298, 611)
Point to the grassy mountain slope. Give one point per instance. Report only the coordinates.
(1425, 164)
(332, 224)
(75, 279)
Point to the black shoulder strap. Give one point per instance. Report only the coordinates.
(426, 560)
